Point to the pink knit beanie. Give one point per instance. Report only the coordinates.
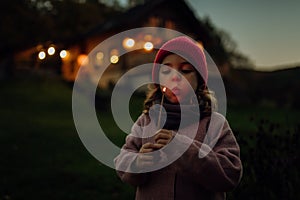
(186, 48)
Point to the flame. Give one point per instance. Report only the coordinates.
(164, 89)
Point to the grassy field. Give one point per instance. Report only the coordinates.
(42, 156)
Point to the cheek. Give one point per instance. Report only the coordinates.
(163, 79)
(171, 97)
(193, 81)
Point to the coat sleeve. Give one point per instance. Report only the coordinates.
(125, 161)
(214, 163)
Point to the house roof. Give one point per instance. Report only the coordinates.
(135, 17)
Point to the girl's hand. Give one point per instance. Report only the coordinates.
(163, 137)
(144, 160)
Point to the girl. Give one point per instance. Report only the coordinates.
(204, 160)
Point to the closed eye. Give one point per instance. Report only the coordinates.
(165, 71)
(187, 71)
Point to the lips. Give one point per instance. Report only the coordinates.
(176, 90)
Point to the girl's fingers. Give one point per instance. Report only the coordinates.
(149, 147)
(144, 159)
(146, 150)
(164, 131)
(162, 141)
(163, 135)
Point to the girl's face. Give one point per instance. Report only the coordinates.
(178, 90)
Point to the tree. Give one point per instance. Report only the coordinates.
(26, 23)
(225, 48)
(18, 22)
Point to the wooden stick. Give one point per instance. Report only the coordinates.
(161, 105)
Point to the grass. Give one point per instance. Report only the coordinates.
(42, 156)
(246, 118)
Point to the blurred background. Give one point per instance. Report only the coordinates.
(45, 42)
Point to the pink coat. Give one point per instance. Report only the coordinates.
(191, 176)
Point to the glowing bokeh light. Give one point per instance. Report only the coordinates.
(148, 46)
(114, 59)
(100, 55)
(63, 54)
(83, 59)
(128, 42)
(42, 55)
(51, 51)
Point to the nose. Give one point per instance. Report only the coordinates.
(176, 76)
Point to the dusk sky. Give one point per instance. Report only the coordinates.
(268, 32)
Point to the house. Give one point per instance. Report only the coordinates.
(176, 15)
(70, 56)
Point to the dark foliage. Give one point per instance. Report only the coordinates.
(271, 162)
